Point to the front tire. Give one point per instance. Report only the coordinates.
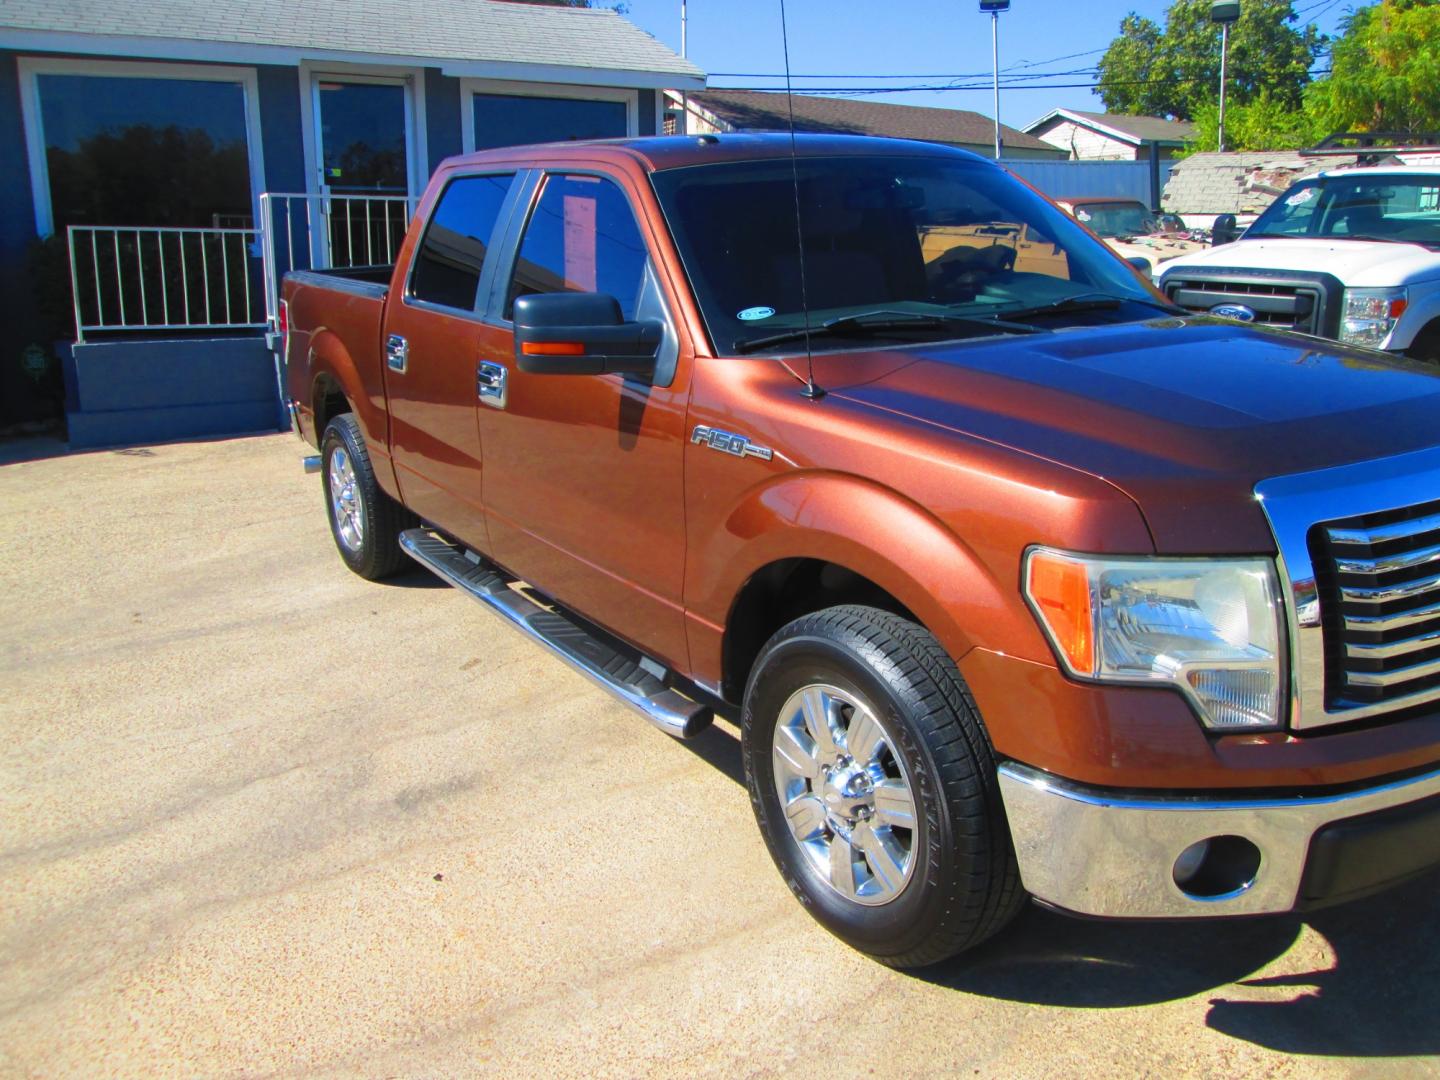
(365, 522)
(874, 785)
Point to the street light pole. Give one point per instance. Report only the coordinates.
(684, 54)
(995, 69)
(1223, 12)
(993, 9)
(1224, 51)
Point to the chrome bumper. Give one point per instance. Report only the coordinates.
(1095, 852)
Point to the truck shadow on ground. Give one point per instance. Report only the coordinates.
(1375, 992)
(1379, 997)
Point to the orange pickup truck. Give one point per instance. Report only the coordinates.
(1020, 581)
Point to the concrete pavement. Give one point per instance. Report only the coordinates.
(258, 816)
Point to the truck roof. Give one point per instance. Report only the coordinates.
(1378, 170)
(659, 152)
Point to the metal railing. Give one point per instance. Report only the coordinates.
(163, 278)
(327, 231)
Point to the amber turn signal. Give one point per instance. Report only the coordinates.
(553, 348)
(1059, 590)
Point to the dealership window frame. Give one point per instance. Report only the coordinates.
(32, 67)
(628, 96)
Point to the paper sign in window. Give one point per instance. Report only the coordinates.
(580, 273)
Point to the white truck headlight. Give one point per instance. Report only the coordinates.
(1369, 315)
(1209, 627)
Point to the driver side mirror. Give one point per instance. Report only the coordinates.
(1224, 231)
(582, 334)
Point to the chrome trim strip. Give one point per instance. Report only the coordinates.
(1379, 594)
(1375, 624)
(1099, 852)
(1393, 678)
(1294, 505)
(1383, 534)
(668, 709)
(1386, 650)
(1385, 564)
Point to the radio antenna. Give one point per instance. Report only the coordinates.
(811, 390)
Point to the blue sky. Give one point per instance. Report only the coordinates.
(914, 37)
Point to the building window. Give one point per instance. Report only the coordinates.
(514, 120)
(144, 151)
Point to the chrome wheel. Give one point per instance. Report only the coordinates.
(347, 506)
(845, 793)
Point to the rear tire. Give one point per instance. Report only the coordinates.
(364, 521)
(904, 734)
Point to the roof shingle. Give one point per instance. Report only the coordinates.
(457, 30)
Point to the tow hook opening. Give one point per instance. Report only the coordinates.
(1217, 867)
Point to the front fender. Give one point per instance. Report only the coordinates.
(874, 532)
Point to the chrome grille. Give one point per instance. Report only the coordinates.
(1283, 306)
(1379, 581)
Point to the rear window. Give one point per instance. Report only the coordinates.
(452, 254)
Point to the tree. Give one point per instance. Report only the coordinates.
(1176, 71)
(1259, 124)
(1385, 71)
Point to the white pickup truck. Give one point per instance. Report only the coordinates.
(1352, 254)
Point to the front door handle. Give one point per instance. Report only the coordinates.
(397, 353)
(490, 379)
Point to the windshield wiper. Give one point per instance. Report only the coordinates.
(1088, 302)
(874, 322)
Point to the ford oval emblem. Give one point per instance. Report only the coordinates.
(1238, 312)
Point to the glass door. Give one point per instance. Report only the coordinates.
(363, 141)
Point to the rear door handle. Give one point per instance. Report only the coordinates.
(490, 379)
(397, 353)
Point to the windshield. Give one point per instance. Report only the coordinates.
(906, 235)
(1400, 209)
(1117, 218)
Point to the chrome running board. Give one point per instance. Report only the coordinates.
(618, 671)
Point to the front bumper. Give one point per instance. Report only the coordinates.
(1113, 854)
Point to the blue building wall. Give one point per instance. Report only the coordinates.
(442, 117)
(23, 320)
(280, 135)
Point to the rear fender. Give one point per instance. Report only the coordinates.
(329, 357)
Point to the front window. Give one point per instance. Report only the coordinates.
(1359, 206)
(941, 243)
(1117, 218)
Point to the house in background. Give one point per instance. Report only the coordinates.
(168, 161)
(1089, 136)
(715, 111)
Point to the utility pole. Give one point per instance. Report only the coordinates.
(684, 54)
(993, 9)
(1223, 12)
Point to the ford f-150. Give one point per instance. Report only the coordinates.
(1022, 581)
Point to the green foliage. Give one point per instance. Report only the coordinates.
(1385, 71)
(1175, 71)
(1261, 124)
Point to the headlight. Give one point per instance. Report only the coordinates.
(1370, 314)
(1210, 627)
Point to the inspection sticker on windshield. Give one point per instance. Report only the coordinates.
(1301, 197)
(755, 314)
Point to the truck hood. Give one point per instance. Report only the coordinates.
(1357, 263)
(1185, 416)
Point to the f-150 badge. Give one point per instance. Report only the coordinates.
(729, 443)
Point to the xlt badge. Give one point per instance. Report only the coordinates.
(730, 443)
